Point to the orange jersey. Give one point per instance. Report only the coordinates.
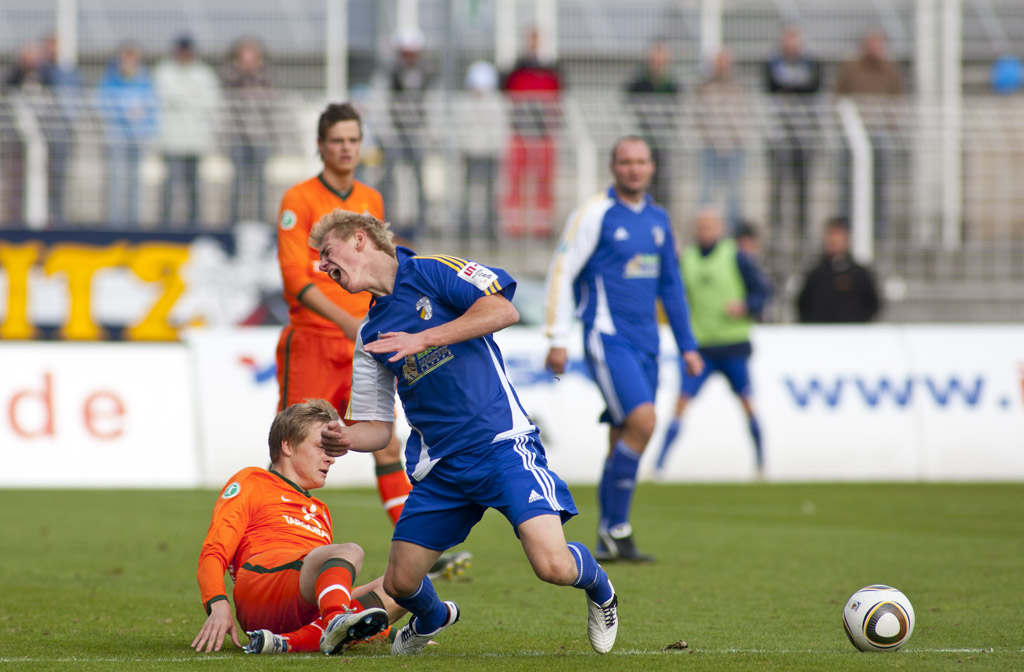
(302, 206)
(258, 511)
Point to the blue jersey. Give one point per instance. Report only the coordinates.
(456, 397)
(614, 261)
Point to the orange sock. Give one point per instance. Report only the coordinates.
(394, 487)
(306, 639)
(333, 587)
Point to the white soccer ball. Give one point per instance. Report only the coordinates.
(878, 618)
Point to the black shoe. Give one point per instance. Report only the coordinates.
(620, 548)
(601, 552)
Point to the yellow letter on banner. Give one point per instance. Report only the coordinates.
(159, 262)
(80, 263)
(18, 261)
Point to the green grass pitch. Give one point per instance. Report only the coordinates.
(751, 577)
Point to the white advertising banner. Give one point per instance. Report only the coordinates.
(880, 402)
(96, 415)
(237, 398)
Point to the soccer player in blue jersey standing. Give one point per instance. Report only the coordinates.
(472, 445)
(617, 256)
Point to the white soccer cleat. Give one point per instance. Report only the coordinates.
(410, 642)
(603, 623)
(264, 641)
(346, 629)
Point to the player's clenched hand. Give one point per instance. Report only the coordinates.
(334, 440)
(398, 342)
(220, 622)
(557, 358)
(694, 362)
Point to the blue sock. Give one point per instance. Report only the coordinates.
(755, 431)
(624, 464)
(426, 606)
(592, 578)
(670, 437)
(604, 493)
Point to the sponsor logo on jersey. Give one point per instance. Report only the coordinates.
(231, 490)
(659, 235)
(479, 276)
(288, 220)
(318, 531)
(418, 365)
(643, 266)
(425, 308)
(533, 497)
(620, 234)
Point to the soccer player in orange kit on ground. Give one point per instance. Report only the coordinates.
(274, 538)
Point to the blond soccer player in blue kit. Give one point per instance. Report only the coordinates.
(472, 445)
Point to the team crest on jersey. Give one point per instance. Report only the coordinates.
(288, 220)
(659, 235)
(425, 308)
(231, 490)
(418, 365)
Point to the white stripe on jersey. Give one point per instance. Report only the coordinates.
(603, 321)
(604, 377)
(544, 480)
(580, 239)
(424, 463)
(520, 421)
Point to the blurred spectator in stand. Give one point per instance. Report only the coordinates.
(128, 104)
(837, 288)
(482, 135)
(794, 79)
(1007, 75)
(722, 116)
(64, 82)
(873, 80)
(189, 96)
(250, 99)
(533, 88)
(23, 79)
(654, 97)
(408, 83)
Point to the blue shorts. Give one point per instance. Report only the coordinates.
(627, 377)
(511, 476)
(735, 369)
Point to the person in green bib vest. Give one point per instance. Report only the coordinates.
(727, 293)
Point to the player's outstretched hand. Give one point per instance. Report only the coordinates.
(694, 362)
(398, 342)
(220, 622)
(334, 440)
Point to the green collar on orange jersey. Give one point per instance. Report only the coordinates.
(342, 195)
(286, 480)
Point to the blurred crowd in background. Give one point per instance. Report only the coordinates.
(185, 136)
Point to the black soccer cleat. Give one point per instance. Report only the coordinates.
(615, 549)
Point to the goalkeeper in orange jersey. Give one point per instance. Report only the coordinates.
(275, 538)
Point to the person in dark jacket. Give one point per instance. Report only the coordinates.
(837, 288)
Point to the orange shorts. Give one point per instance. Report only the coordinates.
(314, 364)
(267, 592)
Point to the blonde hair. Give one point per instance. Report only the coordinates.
(345, 223)
(294, 423)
